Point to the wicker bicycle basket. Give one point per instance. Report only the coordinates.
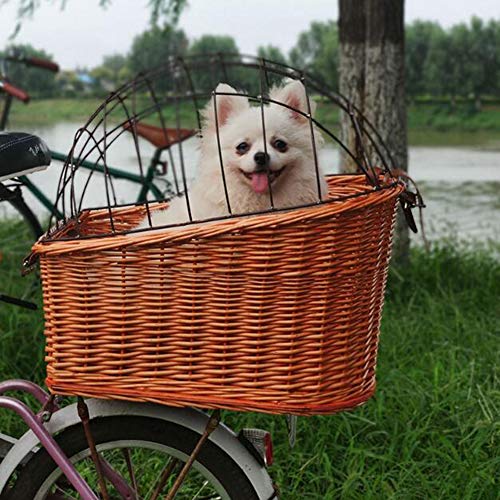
(276, 311)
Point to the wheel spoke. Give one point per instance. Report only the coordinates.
(134, 461)
(198, 493)
(61, 494)
(164, 477)
(130, 468)
(116, 479)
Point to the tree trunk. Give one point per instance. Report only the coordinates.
(371, 36)
(352, 38)
(477, 103)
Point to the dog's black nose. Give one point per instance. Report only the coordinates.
(261, 158)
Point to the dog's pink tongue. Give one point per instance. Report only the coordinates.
(259, 182)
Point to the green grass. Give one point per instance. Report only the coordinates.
(433, 428)
(41, 112)
(461, 118)
(45, 112)
(21, 330)
(435, 125)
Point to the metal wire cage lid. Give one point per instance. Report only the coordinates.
(174, 97)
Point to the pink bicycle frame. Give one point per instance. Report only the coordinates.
(35, 423)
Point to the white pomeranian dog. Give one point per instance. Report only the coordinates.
(285, 166)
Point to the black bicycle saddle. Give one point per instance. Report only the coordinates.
(21, 153)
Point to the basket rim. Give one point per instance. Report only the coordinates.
(57, 241)
(224, 403)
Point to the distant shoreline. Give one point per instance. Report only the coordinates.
(429, 123)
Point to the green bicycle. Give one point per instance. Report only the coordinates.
(152, 183)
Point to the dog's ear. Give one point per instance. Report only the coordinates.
(227, 105)
(294, 95)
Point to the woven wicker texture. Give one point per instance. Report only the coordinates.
(277, 313)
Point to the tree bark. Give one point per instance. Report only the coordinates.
(372, 76)
(352, 38)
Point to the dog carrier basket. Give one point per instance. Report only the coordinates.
(277, 310)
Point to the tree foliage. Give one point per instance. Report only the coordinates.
(113, 71)
(210, 44)
(462, 61)
(207, 78)
(422, 38)
(317, 51)
(272, 53)
(153, 47)
(459, 62)
(167, 11)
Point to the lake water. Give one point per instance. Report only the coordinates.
(460, 185)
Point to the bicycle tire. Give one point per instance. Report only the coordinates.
(41, 473)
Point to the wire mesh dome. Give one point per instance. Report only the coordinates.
(167, 105)
(263, 289)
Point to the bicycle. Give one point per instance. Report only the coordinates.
(20, 153)
(94, 445)
(152, 182)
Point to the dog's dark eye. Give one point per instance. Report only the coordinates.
(242, 147)
(280, 145)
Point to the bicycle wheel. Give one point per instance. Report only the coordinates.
(141, 450)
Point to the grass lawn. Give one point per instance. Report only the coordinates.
(463, 117)
(40, 112)
(433, 428)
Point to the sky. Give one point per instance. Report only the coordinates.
(82, 33)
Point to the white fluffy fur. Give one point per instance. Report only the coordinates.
(238, 122)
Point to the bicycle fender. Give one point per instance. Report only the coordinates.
(190, 418)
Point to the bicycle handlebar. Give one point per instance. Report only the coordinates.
(14, 91)
(35, 61)
(42, 63)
